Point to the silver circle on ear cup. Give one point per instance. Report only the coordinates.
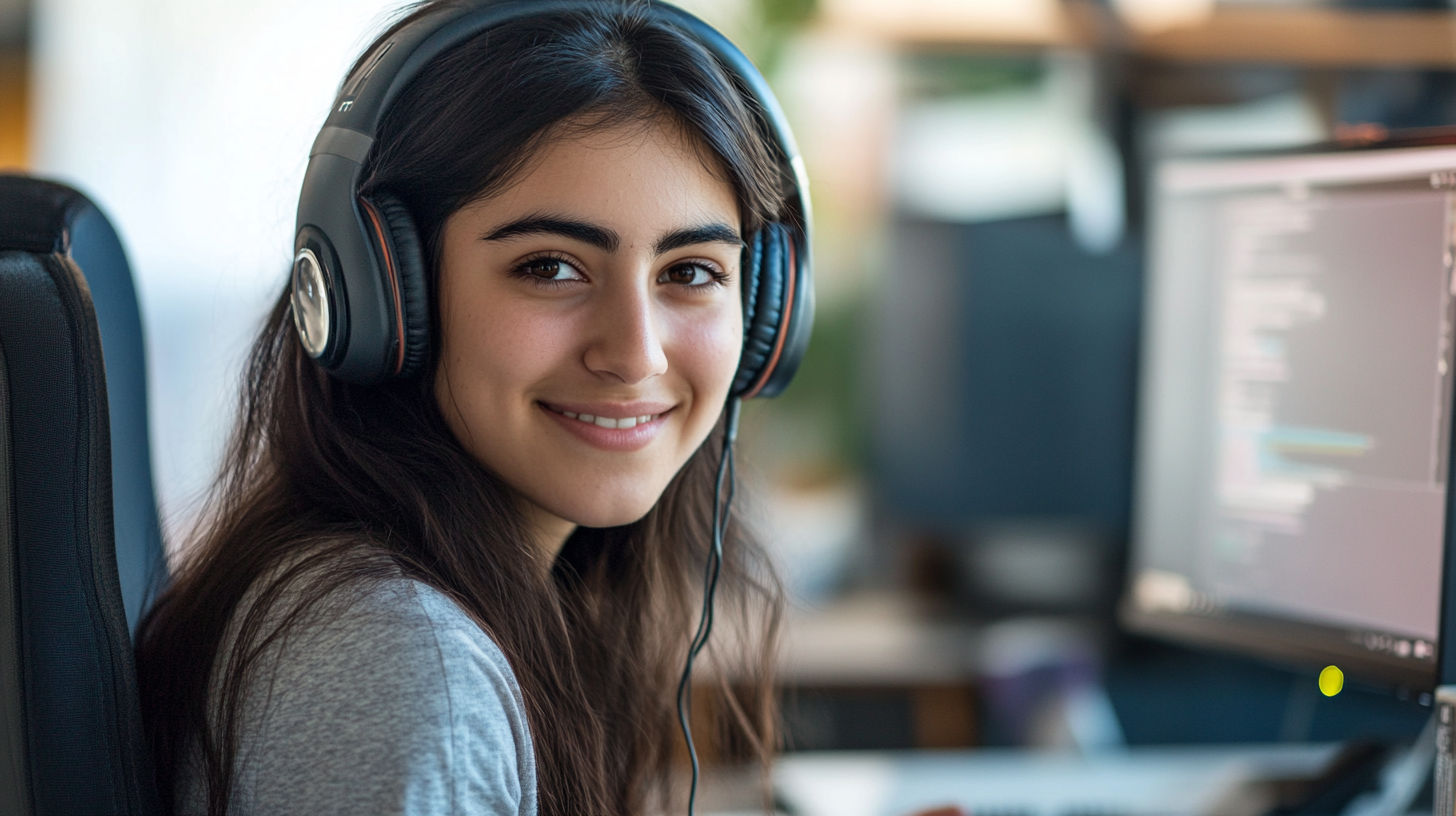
(310, 303)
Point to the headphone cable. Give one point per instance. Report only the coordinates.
(721, 505)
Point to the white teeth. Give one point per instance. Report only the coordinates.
(608, 422)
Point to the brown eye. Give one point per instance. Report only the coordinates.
(551, 269)
(689, 274)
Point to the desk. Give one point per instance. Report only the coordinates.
(869, 648)
(882, 649)
(876, 639)
(1166, 781)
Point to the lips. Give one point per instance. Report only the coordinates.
(614, 427)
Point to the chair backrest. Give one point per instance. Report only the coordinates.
(43, 217)
(70, 726)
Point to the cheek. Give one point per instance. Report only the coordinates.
(492, 349)
(707, 350)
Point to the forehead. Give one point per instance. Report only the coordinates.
(638, 178)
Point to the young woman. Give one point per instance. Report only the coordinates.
(471, 589)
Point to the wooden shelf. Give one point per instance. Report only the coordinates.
(1314, 37)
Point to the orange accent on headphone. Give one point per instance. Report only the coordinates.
(783, 331)
(393, 283)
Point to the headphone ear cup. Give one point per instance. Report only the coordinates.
(409, 266)
(767, 255)
(752, 263)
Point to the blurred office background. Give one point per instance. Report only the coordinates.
(947, 483)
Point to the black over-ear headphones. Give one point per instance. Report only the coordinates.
(359, 295)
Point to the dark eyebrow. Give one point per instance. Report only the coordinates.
(599, 237)
(708, 234)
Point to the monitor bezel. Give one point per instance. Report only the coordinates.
(1291, 642)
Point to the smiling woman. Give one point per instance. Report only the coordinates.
(453, 560)
(600, 288)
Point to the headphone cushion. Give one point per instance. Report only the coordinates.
(763, 311)
(413, 293)
(752, 263)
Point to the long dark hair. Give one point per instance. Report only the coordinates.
(317, 467)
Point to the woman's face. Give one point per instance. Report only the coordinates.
(591, 323)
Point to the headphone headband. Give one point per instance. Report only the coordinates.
(360, 335)
(361, 103)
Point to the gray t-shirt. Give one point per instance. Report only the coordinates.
(393, 702)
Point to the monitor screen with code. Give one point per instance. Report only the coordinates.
(1295, 408)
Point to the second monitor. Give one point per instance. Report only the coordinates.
(1292, 483)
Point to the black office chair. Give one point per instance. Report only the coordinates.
(70, 727)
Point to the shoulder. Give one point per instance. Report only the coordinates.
(384, 697)
(394, 636)
(397, 630)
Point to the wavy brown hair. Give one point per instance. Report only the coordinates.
(317, 467)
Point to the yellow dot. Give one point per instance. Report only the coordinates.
(1331, 681)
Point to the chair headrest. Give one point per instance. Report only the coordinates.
(37, 215)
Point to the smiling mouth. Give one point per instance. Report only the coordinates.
(608, 422)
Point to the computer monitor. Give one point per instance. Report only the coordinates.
(1294, 440)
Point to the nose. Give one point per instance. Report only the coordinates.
(626, 344)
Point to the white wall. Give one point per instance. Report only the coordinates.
(189, 121)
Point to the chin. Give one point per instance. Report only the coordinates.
(612, 511)
(613, 517)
